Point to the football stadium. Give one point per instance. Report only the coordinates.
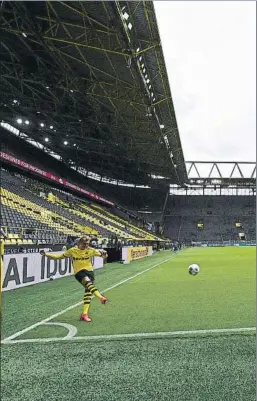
(94, 178)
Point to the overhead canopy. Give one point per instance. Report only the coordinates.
(91, 78)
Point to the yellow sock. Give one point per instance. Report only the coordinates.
(94, 290)
(87, 300)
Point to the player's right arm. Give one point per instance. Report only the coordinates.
(101, 253)
(66, 254)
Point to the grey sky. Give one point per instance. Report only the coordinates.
(210, 54)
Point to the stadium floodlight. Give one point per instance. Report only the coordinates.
(19, 121)
(74, 144)
(71, 91)
(47, 87)
(10, 128)
(27, 122)
(130, 26)
(138, 49)
(24, 34)
(161, 126)
(147, 81)
(154, 99)
(42, 125)
(65, 143)
(150, 86)
(51, 127)
(126, 16)
(15, 101)
(46, 140)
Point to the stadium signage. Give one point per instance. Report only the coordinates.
(14, 160)
(139, 254)
(8, 250)
(21, 270)
(129, 254)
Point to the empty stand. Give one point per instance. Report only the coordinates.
(34, 211)
(217, 213)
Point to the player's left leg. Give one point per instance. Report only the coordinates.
(86, 298)
(86, 278)
(89, 285)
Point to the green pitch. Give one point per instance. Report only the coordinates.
(189, 338)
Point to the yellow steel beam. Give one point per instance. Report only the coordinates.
(83, 14)
(80, 44)
(83, 44)
(162, 100)
(73, 25)
(147, 49)
(92, 67)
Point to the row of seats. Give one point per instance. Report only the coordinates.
(124, 223)
(19, 214)
(218, 214)
(216, 228)
(99, 218)
(26, 205)
(90, 222)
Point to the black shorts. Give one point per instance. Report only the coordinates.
(85, 273)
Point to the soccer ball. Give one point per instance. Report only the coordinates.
(193, 269)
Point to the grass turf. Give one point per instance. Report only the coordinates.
(165, 298)
(209, 369)
(28, 305)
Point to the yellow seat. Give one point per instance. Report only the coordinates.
(11, 236)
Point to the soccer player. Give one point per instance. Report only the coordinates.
(83, 270)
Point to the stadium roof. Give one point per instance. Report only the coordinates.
(91, 78)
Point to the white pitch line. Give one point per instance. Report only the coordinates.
(72, 330)
(33, 326)
(135, 336)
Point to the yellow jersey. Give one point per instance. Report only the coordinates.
(81, 258)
